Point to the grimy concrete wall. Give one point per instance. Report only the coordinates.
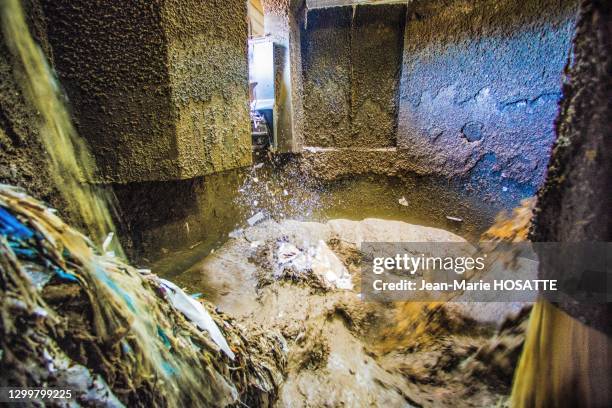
(158, 88)
(480, 86)
(470, 91)
(351, 64)
(281, 22)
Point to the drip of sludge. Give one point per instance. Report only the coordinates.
(71, 164)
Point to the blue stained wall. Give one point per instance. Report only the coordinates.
(479, 90)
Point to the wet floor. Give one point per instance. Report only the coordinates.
(282, 191)
(342, 351)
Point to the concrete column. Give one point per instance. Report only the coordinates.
(281, 21)
(159, 88)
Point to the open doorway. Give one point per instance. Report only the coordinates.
(261, 82)
(261, 94)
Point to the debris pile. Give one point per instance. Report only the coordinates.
(318, 265)
(75, 318)
(343, 351)
(514, 227)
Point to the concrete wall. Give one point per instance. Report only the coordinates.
(159, 89)
(376, 46)
(351, 61)
(327, 77)
(282, 21)
(480, 85)
(476, 99)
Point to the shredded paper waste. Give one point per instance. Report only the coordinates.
(320, 261)
(75, 317)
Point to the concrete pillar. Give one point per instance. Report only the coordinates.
(574, 203)
(281, 21)
(159, 88)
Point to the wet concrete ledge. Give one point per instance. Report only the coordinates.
(332, 163)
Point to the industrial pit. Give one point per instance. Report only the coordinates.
(189, 191)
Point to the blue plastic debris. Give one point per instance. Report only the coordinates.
(65, 275)
(22, 252)
(169, 368)
(111, 284)
(9, 225)
(164, 337)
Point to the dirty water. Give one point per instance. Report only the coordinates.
(282, 191)
(71, 164)
(346, 352)
(343, 351)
